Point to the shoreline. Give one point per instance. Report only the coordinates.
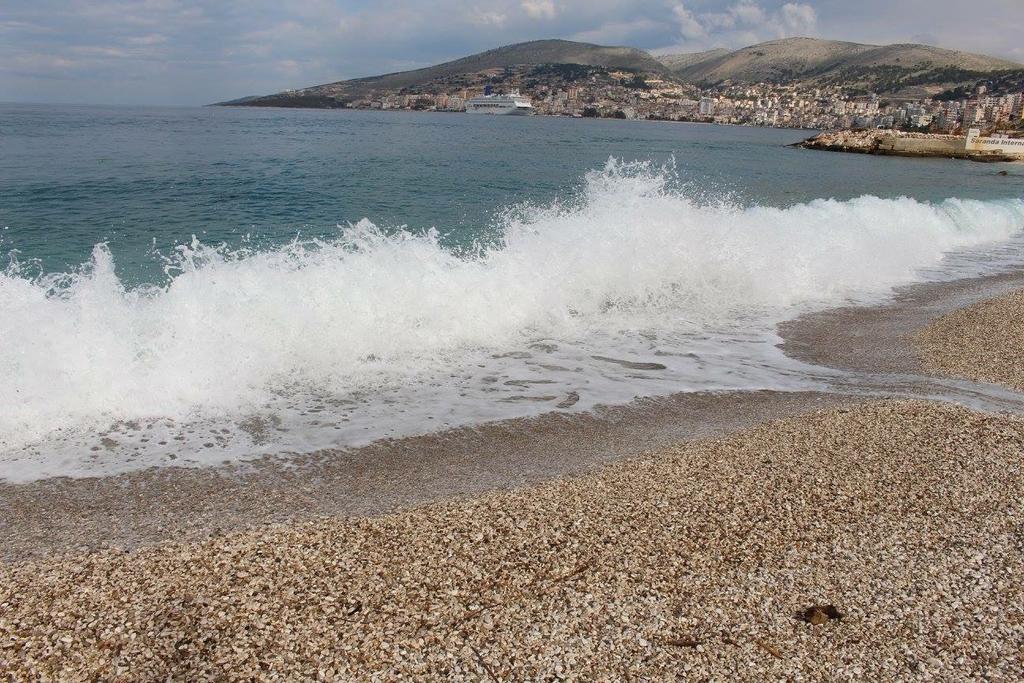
(746, 535)
(545, 116)
(879, 339)
(62, 515)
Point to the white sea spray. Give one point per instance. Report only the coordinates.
(233, 331)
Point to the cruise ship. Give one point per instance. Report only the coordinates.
(489, 103)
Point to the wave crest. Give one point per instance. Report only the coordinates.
(631, 252)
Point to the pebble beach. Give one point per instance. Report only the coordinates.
(982, 342)
(879, 540)
(900, 519)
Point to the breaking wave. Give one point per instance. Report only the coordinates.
(231, 328)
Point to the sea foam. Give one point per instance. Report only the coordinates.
(370, 312)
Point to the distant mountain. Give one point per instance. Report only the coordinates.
(534, 52)
(241, 100)
(678, 62)
(883, 68)
(907, 70)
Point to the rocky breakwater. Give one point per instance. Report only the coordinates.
(899, 143)
(859, 141)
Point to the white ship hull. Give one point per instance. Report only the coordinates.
(506, 111)
(513, 104)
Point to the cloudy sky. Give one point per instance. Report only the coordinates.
(198, 51)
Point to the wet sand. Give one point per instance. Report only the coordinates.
(79, 515)
(881, 339)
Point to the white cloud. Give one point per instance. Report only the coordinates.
(798, 18)
(42, 66)
(742, 23)
(483, 17)
(151, 39)
(540, 9)
(689, 26)
(748, 13)
(100, 51)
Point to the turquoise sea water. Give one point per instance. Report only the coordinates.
(197, 285)
(135, 178)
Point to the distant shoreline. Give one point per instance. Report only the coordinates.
(545, 116)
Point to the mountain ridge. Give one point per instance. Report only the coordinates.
(554, 51)
(882, 68)
(831, 62)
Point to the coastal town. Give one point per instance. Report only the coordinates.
(593, 91)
